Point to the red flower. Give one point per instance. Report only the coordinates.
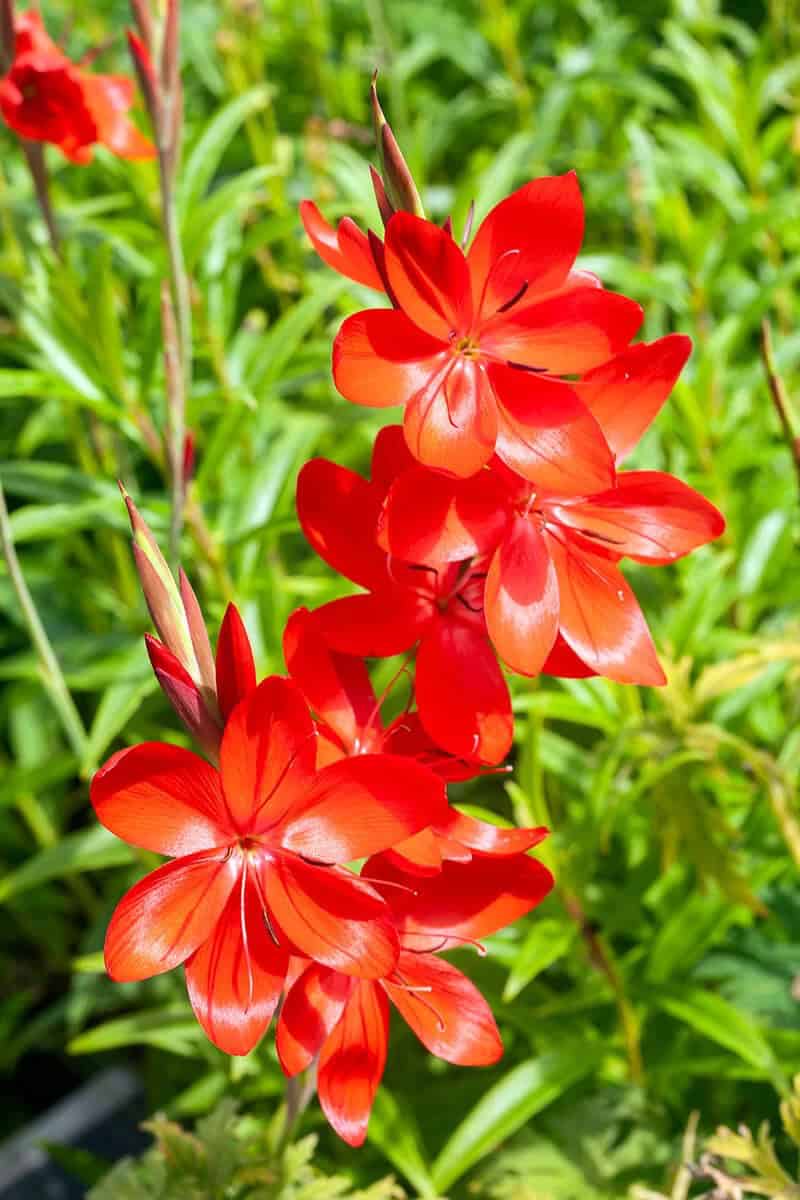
(257, 851)
(461, 694)
(46, 98)
(337, 688)
(477, 346)
(346, 248)
(555, 598)
(346, 1021)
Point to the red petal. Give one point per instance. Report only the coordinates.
(543, 223)
(548, 435)
(406, 735)
(462, 696)
(162, 798)
(600, 618)
(109, 97)
(336, 686)
(363, 805)
(428, 275)
(566, 334)
(418, 855)
(345, 248)
(168, 914)
(451, 1017)
(268, 755)
(452, 423)
(390, 457)
(626, 393)
(649, 516)
(467, 900)
(486, 838)
(309, 1014)
(564, 662)
(185, 696)
(430, 517)
(338, 512)
(331, 916)
(379, 625)
(352, 1062)
(380, 358)
(235, 669)
(522, 599)
(236, 977)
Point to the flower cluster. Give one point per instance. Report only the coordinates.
(45, 97)
(489, 532)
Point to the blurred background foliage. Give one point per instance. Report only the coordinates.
(663, 976)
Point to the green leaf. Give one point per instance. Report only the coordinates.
(507, 1106)
(394, 1131)
(202, 162)
(547, 941)
(90, 850)
(119, 703)
(714, 1018)
(173, 1029)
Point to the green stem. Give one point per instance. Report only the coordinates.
(51, 671)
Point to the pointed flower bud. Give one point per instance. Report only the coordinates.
(397, 178)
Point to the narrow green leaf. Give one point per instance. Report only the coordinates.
(90, 850)
(202, 162)
(547, 941)
(173, 1029)
(506, 1107)
(714, 1018)
(394, 1131)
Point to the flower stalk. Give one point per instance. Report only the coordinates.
(52, 674)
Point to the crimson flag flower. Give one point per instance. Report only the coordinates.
(461, 694)
(338, 689)
(346, 1020)
(46, 98)
(479, 347)
(555, 598)
(257, 853)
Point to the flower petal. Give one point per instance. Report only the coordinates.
(548, 435)
(462, 696)
(330, 916)
(268, 755)
(600, 618)
(338, 512)
(378, 625)
(109, 97)
(235, 978)
(345, 248)
(450, 1017)
(522, 599)
(362, 805)
(566, 334)
(407, 736)
(336, 686)
(564, 663)
(465, 900)
(390, 457)
(235, 669)
(168, 914)
(428, 275)
(352, 1063)
(451, 424)
(309, 1014)
(432, 518)
(380, 358)
(488, 839)
(162, 798)
(649, 516)
(543, 223)
(626, 393)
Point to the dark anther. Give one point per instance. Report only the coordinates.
(515, 299)
(525, 367)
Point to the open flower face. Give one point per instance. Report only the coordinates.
(46, 98)
(482, 348)
(346, 1021)
(258, 854)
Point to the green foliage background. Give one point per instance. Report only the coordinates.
(662, 976)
